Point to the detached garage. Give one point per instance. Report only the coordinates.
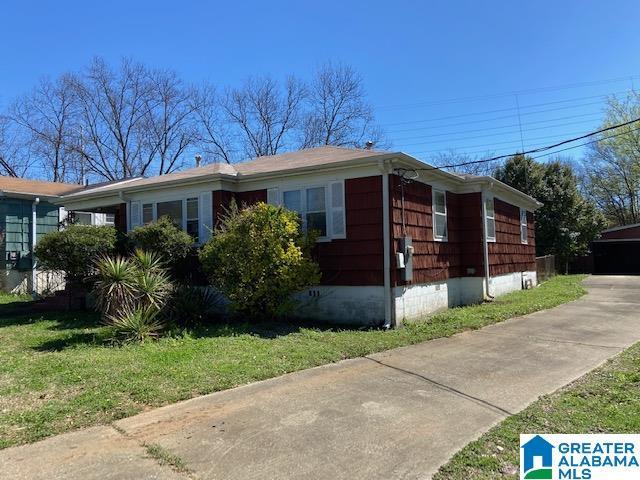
(617, 251)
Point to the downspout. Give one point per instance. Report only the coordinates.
(389, 311)
(34, 222)
(485, 249)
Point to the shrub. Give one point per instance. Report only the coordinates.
(164, 238)
(258, 257)
(74, 250)
(116, 285)
(131, 293)
(137, 324)
(192, 305)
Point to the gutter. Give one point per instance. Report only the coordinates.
(34, 223)
(485, 249)
(389, 311)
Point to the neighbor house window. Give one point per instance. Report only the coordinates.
(490, 219)
(321, 208)
(110, 219)
(172, 209)
(192, 217)
(439, 215)
(523, 226)
(147, 213)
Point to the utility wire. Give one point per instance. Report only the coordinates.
(535, 150)
(511, 93)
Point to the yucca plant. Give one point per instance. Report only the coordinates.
(116, 285)
(148, 261)
(192, 306)
(153, 288)
(137, 324)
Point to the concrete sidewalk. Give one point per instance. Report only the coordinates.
(394, 415)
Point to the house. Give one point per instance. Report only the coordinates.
(617, 251)
(399, 238)
(23, 204)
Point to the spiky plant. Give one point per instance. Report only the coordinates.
(148, 261)
(153, 288)
(116, 285)
(136, 324)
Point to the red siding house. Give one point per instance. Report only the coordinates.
(399, 238)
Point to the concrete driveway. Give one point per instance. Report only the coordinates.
(394, 415)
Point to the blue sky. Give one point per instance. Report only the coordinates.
(415, 57)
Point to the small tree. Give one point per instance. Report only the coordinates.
(258, 257)
(75, 249)
(165, 238)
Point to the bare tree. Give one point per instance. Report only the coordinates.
(48, 118)
(465, 163)
(15, 158)
(113, 106)
(265, 113)
(339, 113)
(168, 127)
(214, 135)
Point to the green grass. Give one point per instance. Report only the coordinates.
(9, 298)
(59, 371)
(606, 400)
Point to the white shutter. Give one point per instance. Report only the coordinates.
(136, 215)
(205, 211)
(273, 196)
(337, 210)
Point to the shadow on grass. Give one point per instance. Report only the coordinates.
(74, 340)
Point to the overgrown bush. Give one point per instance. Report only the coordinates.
(74, 250)
(258, 257)
(132, 293)
(167, 239)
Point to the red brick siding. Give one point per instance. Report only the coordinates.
(630, 232)
(433, 260)
(508, 254)
(358, 259)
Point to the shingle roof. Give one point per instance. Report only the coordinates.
(310, 157)
(25, 186)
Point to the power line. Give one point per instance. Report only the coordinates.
(566, 124)
(536, 150)
(508, 94)
(513, 125)
(462, 115)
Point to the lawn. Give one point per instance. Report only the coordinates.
(606, 400)
(61, 371)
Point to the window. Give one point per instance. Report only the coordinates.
(316, 210)
(82, 218)
(523, 226)
(439, 203)
(147, 213)
(110, 219)
(192, 217)
(490, 220)
(321, 208)
(172, 209)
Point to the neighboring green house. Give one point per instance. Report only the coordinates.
(23, 203)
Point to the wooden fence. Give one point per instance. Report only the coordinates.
(545, 267)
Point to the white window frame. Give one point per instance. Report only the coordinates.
(524, 227)
(491, 217)
(183, 200)
(434, 215)
(276, 195)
